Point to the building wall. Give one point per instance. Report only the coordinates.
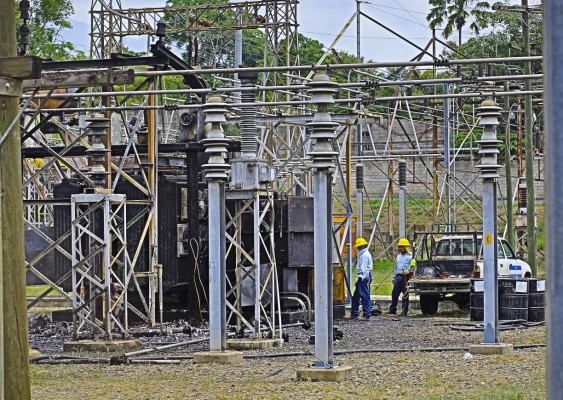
(466, 179)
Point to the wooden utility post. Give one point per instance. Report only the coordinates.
(15, 367)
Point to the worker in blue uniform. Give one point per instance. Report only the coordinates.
(400, 277)
(364, 266)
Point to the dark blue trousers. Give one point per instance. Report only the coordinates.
(399, 287)
(361, 293)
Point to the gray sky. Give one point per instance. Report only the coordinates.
(321, 20)
(318, 19)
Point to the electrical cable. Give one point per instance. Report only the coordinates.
(503, 325)
(196, 272)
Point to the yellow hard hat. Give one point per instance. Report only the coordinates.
(360, 242)
(404, 242)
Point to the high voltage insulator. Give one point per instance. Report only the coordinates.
(489, 113)
(402, 173)
(216, 143)
(97, 132)
(359, 177)
(322, 127)
(522, 200)
(248, 115)
(490, 69)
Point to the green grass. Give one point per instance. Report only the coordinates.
(37, 290)
(382, 275)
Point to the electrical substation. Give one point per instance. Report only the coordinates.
(232, 200)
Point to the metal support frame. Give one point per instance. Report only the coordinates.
(256, 276)
(101, 266)
(40, 176)
(111, 23)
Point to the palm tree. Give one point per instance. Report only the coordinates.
(457, 12)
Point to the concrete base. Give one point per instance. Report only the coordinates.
(336, 374)
(219, 357)
(99, 346)
(491, 349)
(253, 344)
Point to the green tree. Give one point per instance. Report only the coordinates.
(213, 48)
(456, 13)
(48, 18)
(504, 39)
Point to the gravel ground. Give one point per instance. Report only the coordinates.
(413, 371)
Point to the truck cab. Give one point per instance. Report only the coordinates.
(444, 272)
(467, 247)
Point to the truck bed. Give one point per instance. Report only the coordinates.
(442, 276)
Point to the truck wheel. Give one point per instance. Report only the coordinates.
(462, 301)
(429, 304)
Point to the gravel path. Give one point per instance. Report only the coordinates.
(411, 373)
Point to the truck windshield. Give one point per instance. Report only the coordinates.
(503, 249)
(455, 247)
(507, 249)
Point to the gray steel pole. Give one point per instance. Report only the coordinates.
(359, 128)
(508, 172)
(553, 52)
(106, 268)
(447, 153)
(489, 113)
(359, 200)
(216, 297)
(322, 155)
(402, 199)
(257, 285)
(323, 68)
(1, 292)
(238, 52)
(529, 146)
(216, 174)
(349, 261)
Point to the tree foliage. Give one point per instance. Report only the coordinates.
(212, 49)
(48, 19)
(456, 13)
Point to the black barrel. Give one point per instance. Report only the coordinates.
(476, 302)
(536, 300)
(512, 299)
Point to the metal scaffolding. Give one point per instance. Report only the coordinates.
(101, 266)
(430, 132)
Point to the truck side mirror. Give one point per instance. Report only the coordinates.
(518, 255)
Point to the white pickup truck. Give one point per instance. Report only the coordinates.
(452, 261)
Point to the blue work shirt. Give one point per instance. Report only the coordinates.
(402, 263)
(364, 264)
